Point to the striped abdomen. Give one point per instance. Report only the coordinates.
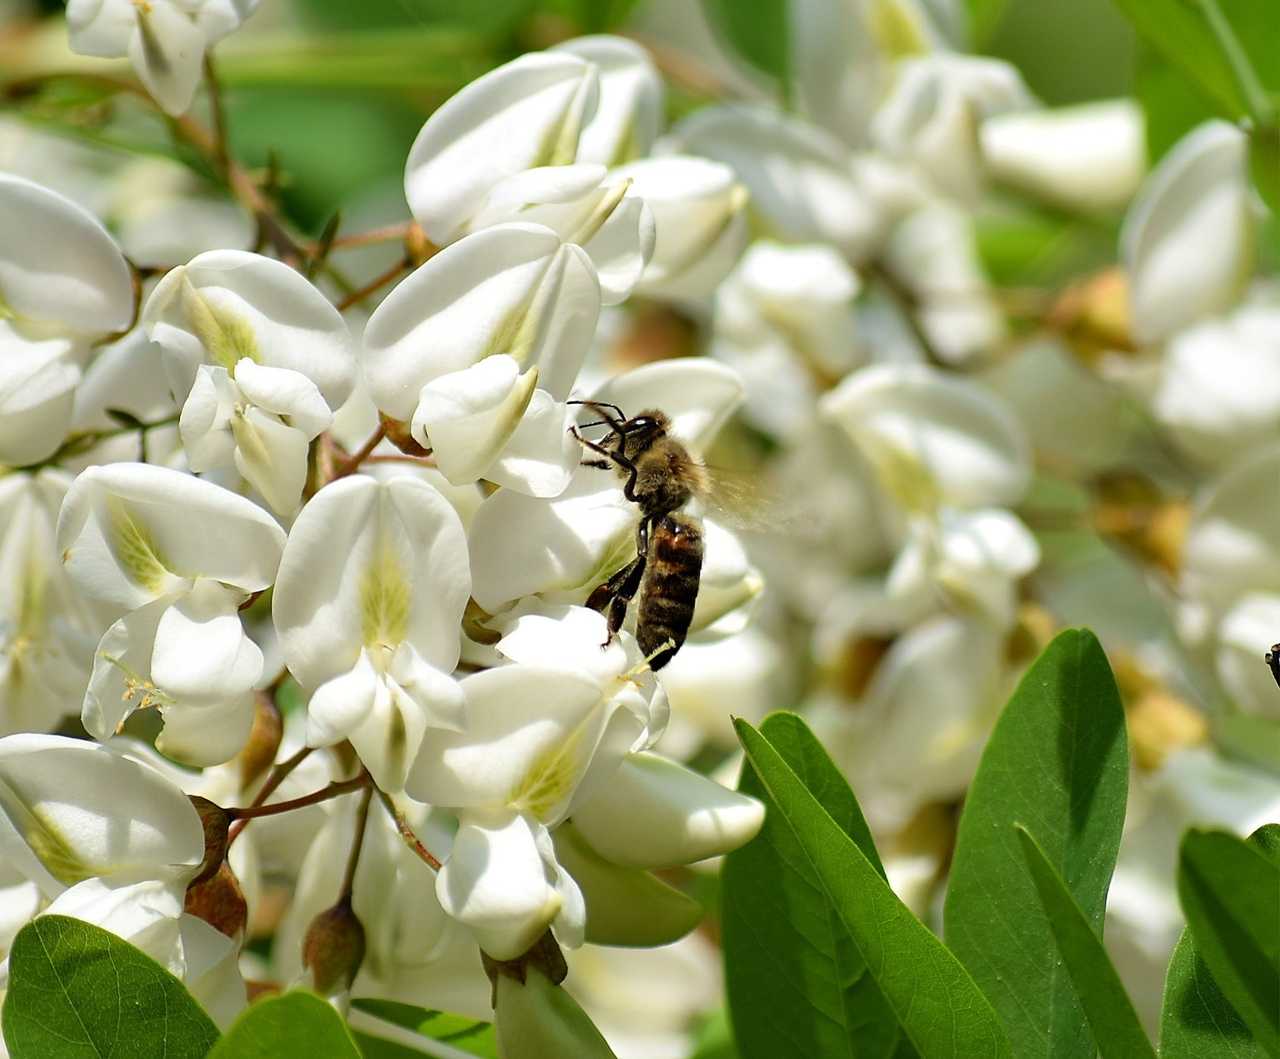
(669, 588)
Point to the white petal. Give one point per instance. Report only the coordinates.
(340, 704)
(55, 821)
(629, 114)
(526, 113)
(176, 525)
(245, 304)
(513, 289)
(541, 456)
(467, 417)
(1187, 241)
(58, 264)
(933, 437)
(1247, 632)
(656, 813)
(800, 178)
(621, 248)
(285, 392)
(37, 395)
(205, 418)
(272, 456)
(200, 736)
(201, 650)
(369, 563)
(167, 50)
(496, 883)
(211, 972)
(530, 736)
(121, 680)
(440, 698)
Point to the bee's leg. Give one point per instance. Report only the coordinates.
(604, 597)
(599, 465)
(629, 487)
(622, 600)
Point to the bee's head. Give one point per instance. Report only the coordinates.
(640, 431)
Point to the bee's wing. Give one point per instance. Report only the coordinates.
(750, 502)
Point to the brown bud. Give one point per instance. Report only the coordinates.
(264, 740)
(1093, 315)
(417, 246)
(215, 821)
(544, 954)
(397, 433)
(334, 948)
(220, 902)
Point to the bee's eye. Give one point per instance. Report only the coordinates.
(639, 424)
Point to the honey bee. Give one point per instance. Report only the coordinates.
(660, 476)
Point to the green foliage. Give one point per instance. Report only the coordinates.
(1197, 1019)
(940, 1009)
(464, 1034)
(1230, 893)
(797, 984)
(1058, 762)
(293, 1025)
(1116, 1032)
(758, 32)
(77, 991)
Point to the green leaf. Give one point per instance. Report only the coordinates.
(984, 18)
(467, 1035)
(939, 1007)
(77, 991)
(1057, 761)
(1228, 47)
(1196, 1019)
(1230, 893)
(1172, 105)
(1112, 1020)
(293, 1025)
(780, 930)
(758, 31)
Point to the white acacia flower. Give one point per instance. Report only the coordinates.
(179, 556)
(47, 630)
(1187, 241)
(526, 114)
(368, 604)
(563, 547)
(480, 347)
(122, 863)
(1090, 156)
(628, 115)
(932, 116)
(699, 211)
(1218, 392)
(802, 183)
(259, 359)
(933, 253)
(534, 736)
(165, 40)
(63, 284)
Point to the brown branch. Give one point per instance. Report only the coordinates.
(386, 234)
(353, 859)
(334, 790)
(406, 832)
(374, 285)
(352, 463)
(278, 775)
(222, 153)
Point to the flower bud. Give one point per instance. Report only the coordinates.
(220, 902)
(536, 1018)
(215, 821)
(264, 740)
(333, 949)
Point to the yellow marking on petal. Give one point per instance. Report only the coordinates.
(134, 548)
(897, 30)
(32, 596)
(6, 311)
(904, 476)
(384, 599)
(226, 336)
(602, 212)
(561, 144)
(549, 780)
(50, 846)
(249, 441)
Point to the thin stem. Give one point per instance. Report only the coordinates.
(278, 775)
(406, 832)
(324, 794)
(1255, 96)
(386, 234)
(353, 859)
(401, 457)
(374, 285)
(324, 245)
(352, 463)
(222, 152)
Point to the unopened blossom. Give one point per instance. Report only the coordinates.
(932, 116)
(63, 285)
(628, 116)
(1090, 156)
(1187, 241)
(699, 211)
(526, 114)
(122, 863)
(47, 630)
(177, 556)
(368, 603)
(165, 40)
(479, 348)
(259, 358)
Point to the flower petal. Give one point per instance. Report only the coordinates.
(201, 650)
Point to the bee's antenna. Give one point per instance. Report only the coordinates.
(599, 405)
